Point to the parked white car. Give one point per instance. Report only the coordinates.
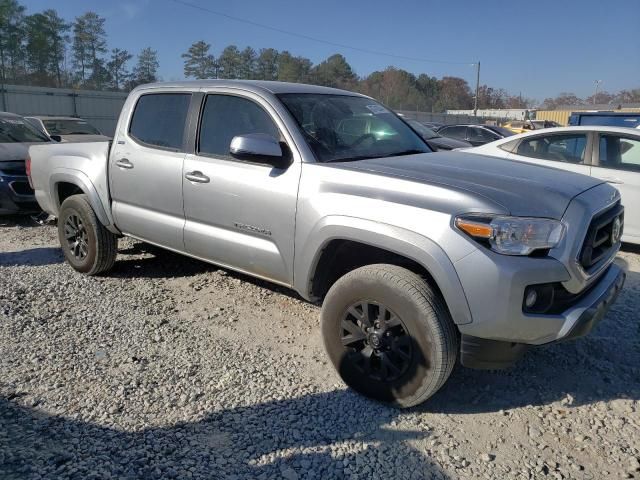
(608, 153)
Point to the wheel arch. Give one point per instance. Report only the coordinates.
(404, 248)
(63, 184)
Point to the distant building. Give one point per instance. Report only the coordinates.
(499, 113)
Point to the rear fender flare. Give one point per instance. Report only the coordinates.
(81, 180)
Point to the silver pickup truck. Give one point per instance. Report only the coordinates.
(418, 258)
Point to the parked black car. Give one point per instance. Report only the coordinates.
(475, 134)
(16, 135)
(436, 141)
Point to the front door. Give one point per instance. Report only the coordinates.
(240, 214)
(617, 161)
(146, 170)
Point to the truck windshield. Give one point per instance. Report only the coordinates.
(16, 130)
(343, 127)
(69, 127)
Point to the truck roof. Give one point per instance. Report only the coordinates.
(258, 86)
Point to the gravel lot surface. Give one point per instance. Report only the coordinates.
(171, 368)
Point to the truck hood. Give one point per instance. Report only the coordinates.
(520, 188)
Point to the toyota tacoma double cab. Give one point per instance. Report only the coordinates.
(418, 258)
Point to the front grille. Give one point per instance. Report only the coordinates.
(599, 242)
(21, 188)
(16, 167)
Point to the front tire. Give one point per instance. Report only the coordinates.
(389, 335)
(87, 245)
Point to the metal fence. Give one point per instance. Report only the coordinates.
(101, 109)
(444, 118)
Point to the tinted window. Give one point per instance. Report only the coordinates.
(477, 134)
(70, 127)
(226, 116)
(346, 127)
(619, 152)
(454, 132)
(562, 148)
(16, 130)
(159, 119)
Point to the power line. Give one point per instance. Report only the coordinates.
(314, 39)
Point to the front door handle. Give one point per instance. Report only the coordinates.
(197, 177)
(124, 163)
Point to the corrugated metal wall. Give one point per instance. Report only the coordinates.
(101, 109)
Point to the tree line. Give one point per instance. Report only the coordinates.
(44, 49)
(393, 86)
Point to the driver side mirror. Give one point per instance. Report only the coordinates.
(55, 138)
(258, 148)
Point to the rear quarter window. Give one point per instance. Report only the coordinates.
(158, 120)
(509, 146)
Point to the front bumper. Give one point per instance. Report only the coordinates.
(16, 196)
(577, 321)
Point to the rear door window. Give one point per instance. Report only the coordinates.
(478, 134)
(454, 132)
(159, 120)
(621, 153)
(562, 148)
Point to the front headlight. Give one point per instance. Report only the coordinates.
(512, 235)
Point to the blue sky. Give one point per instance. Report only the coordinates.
(537, 47)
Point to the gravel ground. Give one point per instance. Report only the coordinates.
(171, 368)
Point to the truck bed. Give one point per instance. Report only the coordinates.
(84, 164)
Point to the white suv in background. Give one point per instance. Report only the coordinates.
(611, 154)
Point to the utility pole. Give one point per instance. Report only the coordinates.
(475, 103)
(595, 95)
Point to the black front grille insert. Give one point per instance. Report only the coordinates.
(600, 239)
(21, 188)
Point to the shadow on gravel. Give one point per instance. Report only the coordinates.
(167, 264)
(24, 221)
(33, 257)
(602, 366)
(291, 439)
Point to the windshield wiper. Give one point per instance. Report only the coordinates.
(371, 157)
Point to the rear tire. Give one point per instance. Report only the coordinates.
(411, 345)
(87, 245)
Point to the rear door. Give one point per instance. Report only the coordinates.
(240, 214)
(146, 170)
(568, 151)
(617, 161)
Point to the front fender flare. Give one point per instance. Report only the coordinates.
(388, 237)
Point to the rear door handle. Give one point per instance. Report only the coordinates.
(124, 163)
(197, 177)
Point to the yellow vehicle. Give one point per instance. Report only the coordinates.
(522, 126)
